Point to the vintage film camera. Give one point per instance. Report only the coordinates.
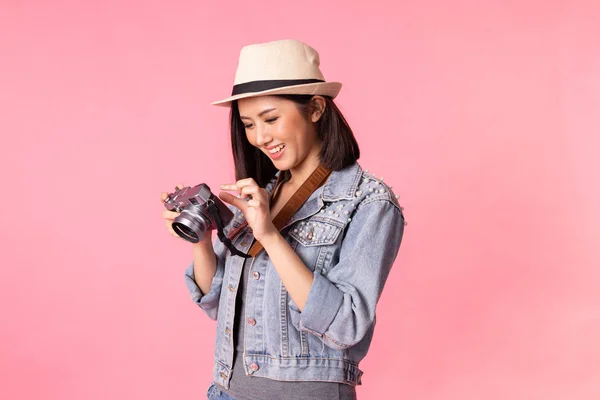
(196, 218)
(200, 211)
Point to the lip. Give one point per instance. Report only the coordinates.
(276, 156)
(272, 147)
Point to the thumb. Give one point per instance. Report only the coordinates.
(234, 201)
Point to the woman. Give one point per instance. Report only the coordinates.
(295, 319)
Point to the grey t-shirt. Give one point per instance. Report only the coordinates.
(245, 387)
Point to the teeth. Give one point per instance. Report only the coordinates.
(277, 149)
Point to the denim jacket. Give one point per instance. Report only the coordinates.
(348, 233)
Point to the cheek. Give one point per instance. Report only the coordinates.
(307, 140)
(292, 133)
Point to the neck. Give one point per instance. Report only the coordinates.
(301, 172)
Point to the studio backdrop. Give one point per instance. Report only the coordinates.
(483, 115)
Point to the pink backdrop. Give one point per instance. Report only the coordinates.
(484, 116)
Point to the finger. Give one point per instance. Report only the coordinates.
(229, 186)
(170, 215)
(248, 187)
(250, 190)
(169, 225)
(234, 201)
(172, 232)
(164, 195)
(246, 182)
(254, 203)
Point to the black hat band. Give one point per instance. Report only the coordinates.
(259, 86)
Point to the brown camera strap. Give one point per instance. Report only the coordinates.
(312, 183)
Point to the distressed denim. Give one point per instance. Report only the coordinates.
(348, 233)
(214, 393)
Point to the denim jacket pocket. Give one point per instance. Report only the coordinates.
(317, 231)
(315, 241)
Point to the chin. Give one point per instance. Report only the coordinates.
(281, 165)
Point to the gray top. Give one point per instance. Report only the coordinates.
(245, 387)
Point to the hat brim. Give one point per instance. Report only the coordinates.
(322, 88)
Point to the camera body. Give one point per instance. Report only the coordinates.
(199, 209)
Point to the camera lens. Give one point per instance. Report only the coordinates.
(185, 233)
(190, 227)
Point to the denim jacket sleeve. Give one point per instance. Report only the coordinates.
(209, 302)
(340, 307)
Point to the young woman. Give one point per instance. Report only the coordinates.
(295, 318)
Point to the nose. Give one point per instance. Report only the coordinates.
(262, 135)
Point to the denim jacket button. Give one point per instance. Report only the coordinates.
(251, 321)
(256, 275)
(254, 367)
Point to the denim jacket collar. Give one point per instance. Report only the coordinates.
(341, 185)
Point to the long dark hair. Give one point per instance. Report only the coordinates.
(339, 148)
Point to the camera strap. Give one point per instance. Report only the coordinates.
(312, 183)
(214, 212)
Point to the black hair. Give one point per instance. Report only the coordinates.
(339, 148)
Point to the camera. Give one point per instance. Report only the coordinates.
(200, 211)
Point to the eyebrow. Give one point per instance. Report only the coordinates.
(263, 112)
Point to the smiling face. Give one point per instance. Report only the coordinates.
(283, 131)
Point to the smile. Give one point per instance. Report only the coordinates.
(276, 149)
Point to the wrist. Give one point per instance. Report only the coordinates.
(205, 242)
(270, 239)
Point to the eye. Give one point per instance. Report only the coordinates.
(272, 120)
(248, 126)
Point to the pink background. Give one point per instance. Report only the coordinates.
(484, 116)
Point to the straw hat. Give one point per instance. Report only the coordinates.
(280, 67)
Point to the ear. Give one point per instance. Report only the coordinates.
(318, 108)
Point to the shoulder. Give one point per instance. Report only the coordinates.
(359, 186)
(354, 192)
(373, 189)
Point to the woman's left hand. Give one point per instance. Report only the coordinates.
(254, 203)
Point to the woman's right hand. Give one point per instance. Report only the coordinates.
(169, 216)
(205, 263)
